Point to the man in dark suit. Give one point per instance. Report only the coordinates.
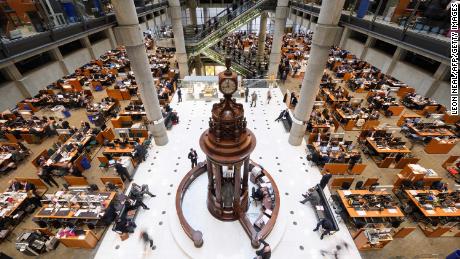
(193, 156)
(122, 172)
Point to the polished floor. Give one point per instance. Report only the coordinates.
(166, 166)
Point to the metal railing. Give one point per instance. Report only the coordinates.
(225, 25)
(13, 48)
(411, 39)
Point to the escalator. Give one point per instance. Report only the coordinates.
(222, 24)
(220, 58)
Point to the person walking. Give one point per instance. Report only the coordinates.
(179, 95)
(246, 94)
(140, 152)
(45, 174)
(193, 156)
(147, 240)
(269, 95)
(122, 172)
(253, 99)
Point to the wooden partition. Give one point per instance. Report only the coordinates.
(76, 181)
(451, 119)
(108, 134)
(403, 232)
(77, 162)
(405, 161)
(403, 91)
(396, 110)
(122, 122)
(27, 106)
(335, 168)
(436, 146)
(358, 169)
(338, 181)
(44, 153)
(39, 184)
(370, 181)
(115, 180)
(370, 124)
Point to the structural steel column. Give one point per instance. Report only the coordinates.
(192, 6)
(370, 41)
(439, 75)
(262, 37)
(56, 53)
(345, 35)
(205, 14)
(280, 24)
(176, 21)
(129, 34)
(398, 55)
(15, 75)
(87, 44)
(198, 66)
(111, 37)
(322, 41)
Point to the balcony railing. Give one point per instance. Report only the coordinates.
(408, 37)
(12, 48)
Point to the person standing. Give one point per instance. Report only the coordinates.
(147, 240)
(269, 95)
(179, 95)
(140, 152)
(45, 174)
(325, 180)
(254, 99)
(122, 172)
(193, 156)
(246, 94)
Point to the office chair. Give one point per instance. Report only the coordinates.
(345, 186)
(373, 186)
(359, 185)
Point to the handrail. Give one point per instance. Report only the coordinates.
(429, 45)
(13, 48)
(211, 53)
(224, 20)
(195, 235)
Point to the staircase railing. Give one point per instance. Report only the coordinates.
(224, 25)
(219, 58)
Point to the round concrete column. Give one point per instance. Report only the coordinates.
(179, 42)
(323, 39)
(262, 37)
(280, 24)
(129, 34)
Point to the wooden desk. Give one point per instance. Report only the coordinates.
(50, 212)
(437, 212)
(402, 119)
(386, 213)
(385, 150)
(440, 132)
(436, 146)
(19, 199)
(332, 98)
(88, 240)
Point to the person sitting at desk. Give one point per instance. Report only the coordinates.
(15, 185)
